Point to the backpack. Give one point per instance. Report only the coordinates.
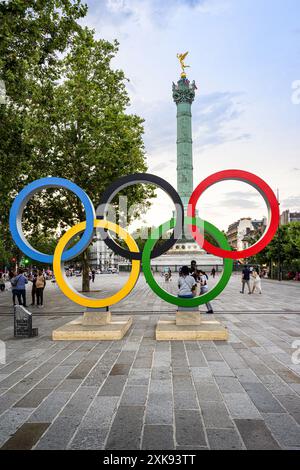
(40, 281)
(14, 281)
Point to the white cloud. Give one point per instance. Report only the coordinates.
(214, 116)
(291, 202)
(146, 14)
(117, 6)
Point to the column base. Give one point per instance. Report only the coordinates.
(188, 318)
(168, 329)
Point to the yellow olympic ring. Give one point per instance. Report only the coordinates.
(71, 293)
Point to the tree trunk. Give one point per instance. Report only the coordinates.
(272, 270)
(85, 272)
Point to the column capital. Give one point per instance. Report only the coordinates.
(184, 91)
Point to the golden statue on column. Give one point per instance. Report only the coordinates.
(181, 58)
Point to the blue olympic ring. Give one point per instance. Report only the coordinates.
(16, 212)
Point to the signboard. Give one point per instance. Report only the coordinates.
(23, 323)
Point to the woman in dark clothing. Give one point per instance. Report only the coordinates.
(11, 276)
(2, 282)
(33, 289)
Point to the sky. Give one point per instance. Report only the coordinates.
(245, 58)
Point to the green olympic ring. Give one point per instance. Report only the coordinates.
(195, 301)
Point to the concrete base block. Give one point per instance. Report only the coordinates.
(96, 317)
(208, 330)
(76, 330)
(188, 318)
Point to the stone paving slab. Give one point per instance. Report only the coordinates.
(215, 415)
(189, 428)
(126, 428)
(26, 436)
(224, 439)
(158, 438)
(256, 435)
(139, 393)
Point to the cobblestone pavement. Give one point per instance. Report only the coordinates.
(139, 393)
(276, 296)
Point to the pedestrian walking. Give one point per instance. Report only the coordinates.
(213, 272)
(93, 275)
(2, 282)
(11, 277)
(33, 288)
(19, 283)
(40, 286)
(246, 279)
(193, 267)
(256, 282)
(204, 289)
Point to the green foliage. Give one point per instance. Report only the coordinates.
(83, 133)
(32, 33)
(283, 250)
(5, 255)
(65, 115)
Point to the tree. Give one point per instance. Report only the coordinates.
(14, 165)
(76, 126)
(5, 256)
(32, 34)
(283, 252)
(84, 134)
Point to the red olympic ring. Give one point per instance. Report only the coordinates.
(262, 188)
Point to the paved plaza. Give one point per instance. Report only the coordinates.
(277, 296)
(141, 394)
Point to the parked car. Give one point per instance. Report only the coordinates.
(112, 270)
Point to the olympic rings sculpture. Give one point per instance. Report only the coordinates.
(150, 251)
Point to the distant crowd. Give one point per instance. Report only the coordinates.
(18, 280)
(193, 281)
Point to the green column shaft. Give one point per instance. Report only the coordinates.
(184, 152)
(183, 95)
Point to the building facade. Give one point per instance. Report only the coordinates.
(240, 232)
(102, 257)
(288, 216)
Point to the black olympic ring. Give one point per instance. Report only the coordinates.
(122, 183)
